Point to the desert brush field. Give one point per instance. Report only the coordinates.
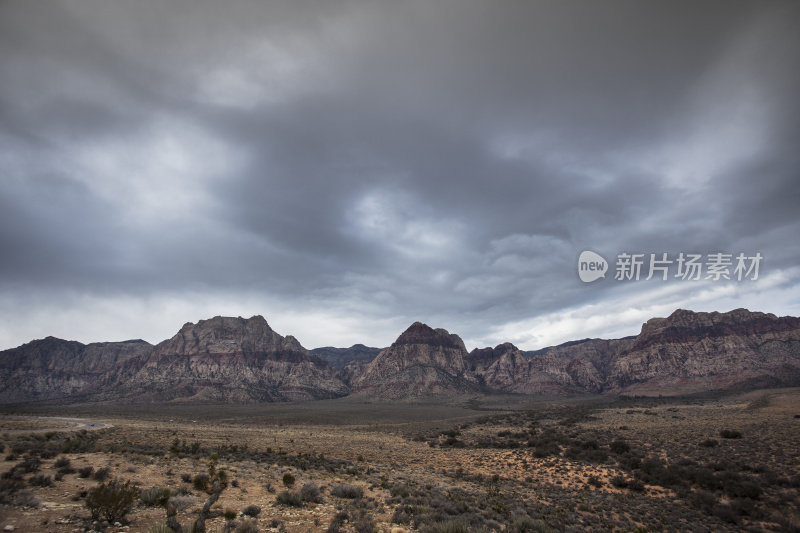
(505, 463)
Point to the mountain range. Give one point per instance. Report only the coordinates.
(238, 360)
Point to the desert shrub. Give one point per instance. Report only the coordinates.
(85, 471)
(186, 478)
(247, 526)
(399, 491)
(449, 526)
(619, 481)
(229, 514)
(619, 447)
(10, 484)
(61, 462)
(182, 502)
(709, 443)
(346, 490)
(703, 500)
(112, 500)
(309, 492)
(742, 489)
(730, 434)
(363, 523)
(595, 481)
(636, 485)
(403, 514)
(154, 496)
(525, 524)
(201, 481)
(40, 480)
(288, 479)
(337, 521)
(587, 454)
(251, 511)
(292, 499)
(29, 464)
(452, 442)
(161, 528)
(101, 474)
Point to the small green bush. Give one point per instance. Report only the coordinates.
(230, 514)
(201, 482)
(526, 524)
(346, 490)
(292, 499)
(288, 480)
(309, 492)
(40, 480)
(251, 511)
(29, 464)
(154, 497)
(619, 481)
(85, 471)
(112, 499)
(61, 462)
(101, 474)
(730, 434)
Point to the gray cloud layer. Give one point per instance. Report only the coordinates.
(374, 163)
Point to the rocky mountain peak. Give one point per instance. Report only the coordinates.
(684, 326)
(419, 333)
(225, 335)
(422, 361)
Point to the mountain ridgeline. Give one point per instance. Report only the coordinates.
(237, 360)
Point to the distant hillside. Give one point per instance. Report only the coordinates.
(338, 358)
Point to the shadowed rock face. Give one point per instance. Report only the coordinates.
(52, 368)
(685, 352)
(422, 362)
(340, 358)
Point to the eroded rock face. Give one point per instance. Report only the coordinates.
(231, 360)
(685, 352)
(52, 368)
(422, 362)
(710, 351)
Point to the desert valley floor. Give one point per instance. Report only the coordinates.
(497, 463)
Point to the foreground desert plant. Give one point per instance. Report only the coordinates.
(217, 482)
(292, 499)
(112, 500)
(346, 490)
(309, 492)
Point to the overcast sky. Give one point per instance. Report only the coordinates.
(347, 168)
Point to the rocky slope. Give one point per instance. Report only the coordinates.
(421, 362)
(685, 352)
(53, 368)
(231, 360)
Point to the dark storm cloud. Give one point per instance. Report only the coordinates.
(443, 160)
